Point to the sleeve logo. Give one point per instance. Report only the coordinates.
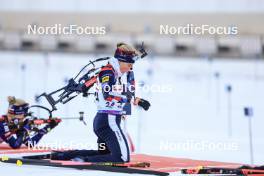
(105, 79)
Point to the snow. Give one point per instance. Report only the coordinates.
(188, 121)
(26, 170)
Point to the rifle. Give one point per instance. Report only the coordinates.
(82, 85)
(34, 121)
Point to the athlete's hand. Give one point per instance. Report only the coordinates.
(136, 101)
(142, 103)
(53, 123)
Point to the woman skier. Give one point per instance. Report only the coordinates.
(111, 100)
(15, 128)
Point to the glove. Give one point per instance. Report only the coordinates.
(144, 104)
(53, 123)
(27, 125)
(21, 132)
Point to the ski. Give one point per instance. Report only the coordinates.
(38, 157)
(232, 171)
(136, 164)
(119, 168)
(212, 171)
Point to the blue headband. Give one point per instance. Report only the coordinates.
(18, 110)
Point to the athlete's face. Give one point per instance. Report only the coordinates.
(125, 67)
(19, 118)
